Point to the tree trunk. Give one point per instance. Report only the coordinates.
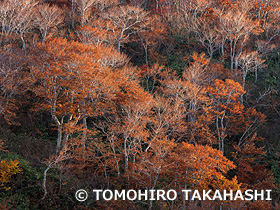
(84, 136)
(23, 42)
(45, 181)
(59, 138)
(44, 37)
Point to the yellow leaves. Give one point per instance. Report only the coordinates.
(7, 170)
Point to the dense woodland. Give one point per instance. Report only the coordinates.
(140, 94)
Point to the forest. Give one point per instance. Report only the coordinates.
(139, 94)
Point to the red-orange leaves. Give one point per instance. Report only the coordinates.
(71, 82)
(227, 106)
(203, 164)
(227, 90)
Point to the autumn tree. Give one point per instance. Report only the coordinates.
(191, 92)
(268, 14)
(206, 34)
(151, 34)
(75, 85)
(182, 166)
(251, 170)
(17, 16)
(250, 62)
(182, 14)
(128, 20)
(61, 72)
(125, 127)
(236, 27)
(84, 7)
(13, 82)
(48, 17)
(226, 98)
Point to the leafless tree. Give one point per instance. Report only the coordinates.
(48, 17)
